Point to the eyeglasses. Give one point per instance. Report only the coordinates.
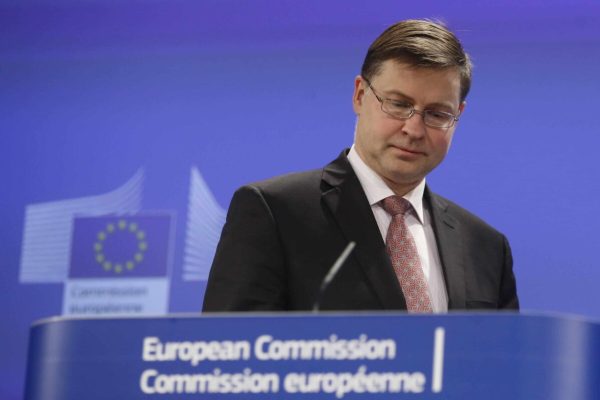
(402, 110)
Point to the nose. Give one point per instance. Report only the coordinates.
(415, 126)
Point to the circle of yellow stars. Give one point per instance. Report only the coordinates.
(129, 264)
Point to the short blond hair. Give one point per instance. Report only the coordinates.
(423, 44)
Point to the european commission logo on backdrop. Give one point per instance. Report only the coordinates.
(113, 257)
(119, 265)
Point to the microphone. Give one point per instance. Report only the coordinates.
(332, 272)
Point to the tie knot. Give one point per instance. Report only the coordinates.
(395, 205)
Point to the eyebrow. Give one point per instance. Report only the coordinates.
(395, 92)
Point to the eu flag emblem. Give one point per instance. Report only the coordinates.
(112, 246)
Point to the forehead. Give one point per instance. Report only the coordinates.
(423, 85)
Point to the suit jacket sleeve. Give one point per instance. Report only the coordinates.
(248, 269)
(508, 286)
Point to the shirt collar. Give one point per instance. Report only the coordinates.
(376, 189)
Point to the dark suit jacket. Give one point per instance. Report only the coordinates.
(282, 236)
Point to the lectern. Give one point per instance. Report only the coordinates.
(316, 356)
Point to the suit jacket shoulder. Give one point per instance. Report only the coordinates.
(290, 193)
(461, 214)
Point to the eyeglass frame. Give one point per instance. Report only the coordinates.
(413, 110)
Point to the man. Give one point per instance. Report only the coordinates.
(415, 250)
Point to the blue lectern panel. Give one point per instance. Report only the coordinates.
(306, 356)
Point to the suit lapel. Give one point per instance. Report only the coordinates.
(450, 246)
(345, 198)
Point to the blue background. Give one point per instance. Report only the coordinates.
(92, 90)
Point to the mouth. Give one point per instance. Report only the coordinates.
(408, 150)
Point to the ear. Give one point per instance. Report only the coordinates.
(461, 107)
(359, 92)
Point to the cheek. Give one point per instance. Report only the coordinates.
(441, 143)
(376, 131)
(449, 142)
(384, 129)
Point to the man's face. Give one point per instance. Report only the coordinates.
(403, 152)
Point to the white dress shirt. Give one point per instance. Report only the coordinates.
(417, 221)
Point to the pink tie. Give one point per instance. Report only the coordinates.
(402, 250)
